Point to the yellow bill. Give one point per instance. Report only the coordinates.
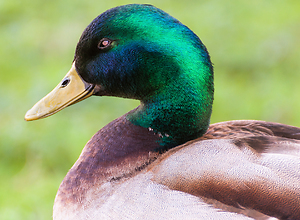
(70, 90)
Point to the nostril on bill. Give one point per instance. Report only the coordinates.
(65, 82)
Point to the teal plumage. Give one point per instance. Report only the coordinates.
(162, 160)
(144, 64)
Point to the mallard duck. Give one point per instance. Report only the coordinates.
(163, 160)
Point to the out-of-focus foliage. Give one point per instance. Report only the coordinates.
(254, 46)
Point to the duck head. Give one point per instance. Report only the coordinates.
(140, 52)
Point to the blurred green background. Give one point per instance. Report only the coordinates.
(254, 45)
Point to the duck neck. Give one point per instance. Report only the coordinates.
(179, 112)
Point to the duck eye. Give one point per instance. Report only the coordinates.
(104, 43)
(65, 82)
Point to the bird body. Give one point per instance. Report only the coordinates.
(204, 178)
(162, 160)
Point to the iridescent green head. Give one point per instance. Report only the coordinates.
(141, 52)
